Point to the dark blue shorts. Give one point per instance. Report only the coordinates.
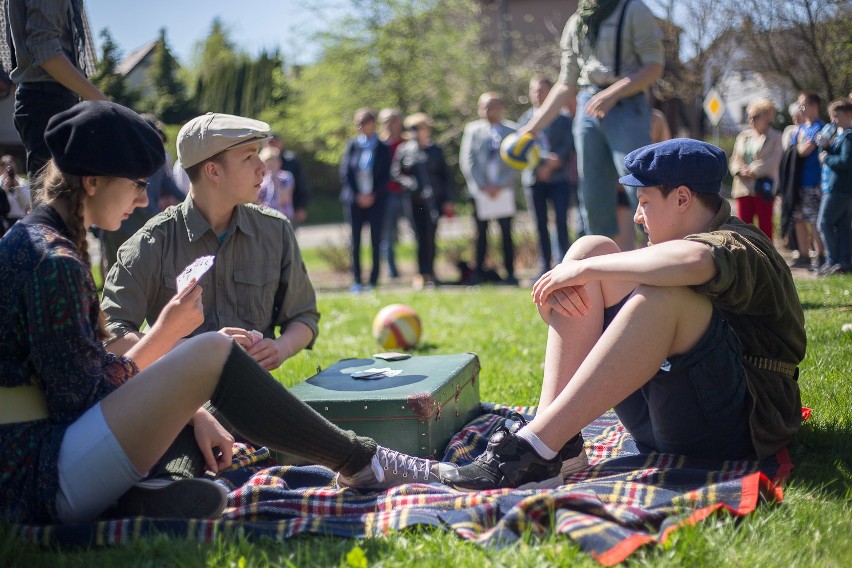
(698, 403)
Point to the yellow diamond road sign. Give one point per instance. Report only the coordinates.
(714, 106)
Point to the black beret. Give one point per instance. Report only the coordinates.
(681, 161)
(102, 138)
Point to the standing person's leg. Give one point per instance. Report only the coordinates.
(763, 210)
(626, 127)
(844, 232)
(538, 196)
(597, 175)
(35, 104)
(393, 212)
(560, 193)
(356, 216)
(508, 249)
(481, 245)
(420, 218)
(431, 229)
(811, 199)
(746, 208)
(827, 224)
(376, 218)
(626, 238)
(803, 240)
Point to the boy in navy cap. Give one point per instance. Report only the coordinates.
(694, 340)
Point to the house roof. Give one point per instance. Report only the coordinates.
(130, 62)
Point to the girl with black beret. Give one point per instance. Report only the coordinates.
(81, 427)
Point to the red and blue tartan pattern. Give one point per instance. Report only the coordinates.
(624, 500)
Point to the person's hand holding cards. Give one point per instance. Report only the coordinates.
(192, 274)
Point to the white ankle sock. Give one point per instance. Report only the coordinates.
(540, 447)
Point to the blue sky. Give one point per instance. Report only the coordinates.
(286, 24)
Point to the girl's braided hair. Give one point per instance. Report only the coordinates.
(54, 185)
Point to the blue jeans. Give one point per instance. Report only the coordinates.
(835, 226)
(601, 145)
(559, 194)
(397, 206)
(35, 104)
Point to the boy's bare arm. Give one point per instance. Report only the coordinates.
(672, 263)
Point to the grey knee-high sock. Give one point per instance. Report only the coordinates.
(264, 411)
(183, 459)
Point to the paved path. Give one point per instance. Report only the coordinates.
(312, 236)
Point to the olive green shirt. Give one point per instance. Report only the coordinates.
(754, 290)
(257, 254)
(587, 65)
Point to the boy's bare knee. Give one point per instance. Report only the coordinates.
(591, 245)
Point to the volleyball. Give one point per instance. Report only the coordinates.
(520, 151)
(397, 326)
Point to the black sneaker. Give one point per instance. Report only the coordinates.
(573, 456)
(508, 461)
(188, 498)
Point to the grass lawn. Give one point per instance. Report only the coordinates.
(811, 528)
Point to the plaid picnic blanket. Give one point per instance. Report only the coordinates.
(624, 500)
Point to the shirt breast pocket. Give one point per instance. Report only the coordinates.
(169, 288)
(255, 286)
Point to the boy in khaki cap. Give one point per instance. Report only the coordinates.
(256, 259)
(256, 255)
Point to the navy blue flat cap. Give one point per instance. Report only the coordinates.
(681, 161)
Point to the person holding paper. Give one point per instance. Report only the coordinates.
(258, 281)
(490, 182)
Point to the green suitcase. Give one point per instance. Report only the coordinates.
(416, 412)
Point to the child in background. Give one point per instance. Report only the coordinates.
(835, 213)
(276, 189)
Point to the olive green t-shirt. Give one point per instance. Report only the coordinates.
(754, 289)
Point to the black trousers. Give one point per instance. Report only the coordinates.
(508, 247)
(374, 216)
(35, 104)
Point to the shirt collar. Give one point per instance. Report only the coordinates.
(721, 216)
(197, 225)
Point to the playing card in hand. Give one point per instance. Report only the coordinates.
(195, 271)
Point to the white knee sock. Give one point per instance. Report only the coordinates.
(540, 447)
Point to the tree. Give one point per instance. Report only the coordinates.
(415, 55)
(227, 80)
(809, 42)
(804, 43)
(107, 78)
(169, 102)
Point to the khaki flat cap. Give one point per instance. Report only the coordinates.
(206, 135)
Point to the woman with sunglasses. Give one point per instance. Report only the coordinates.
(754, 164)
